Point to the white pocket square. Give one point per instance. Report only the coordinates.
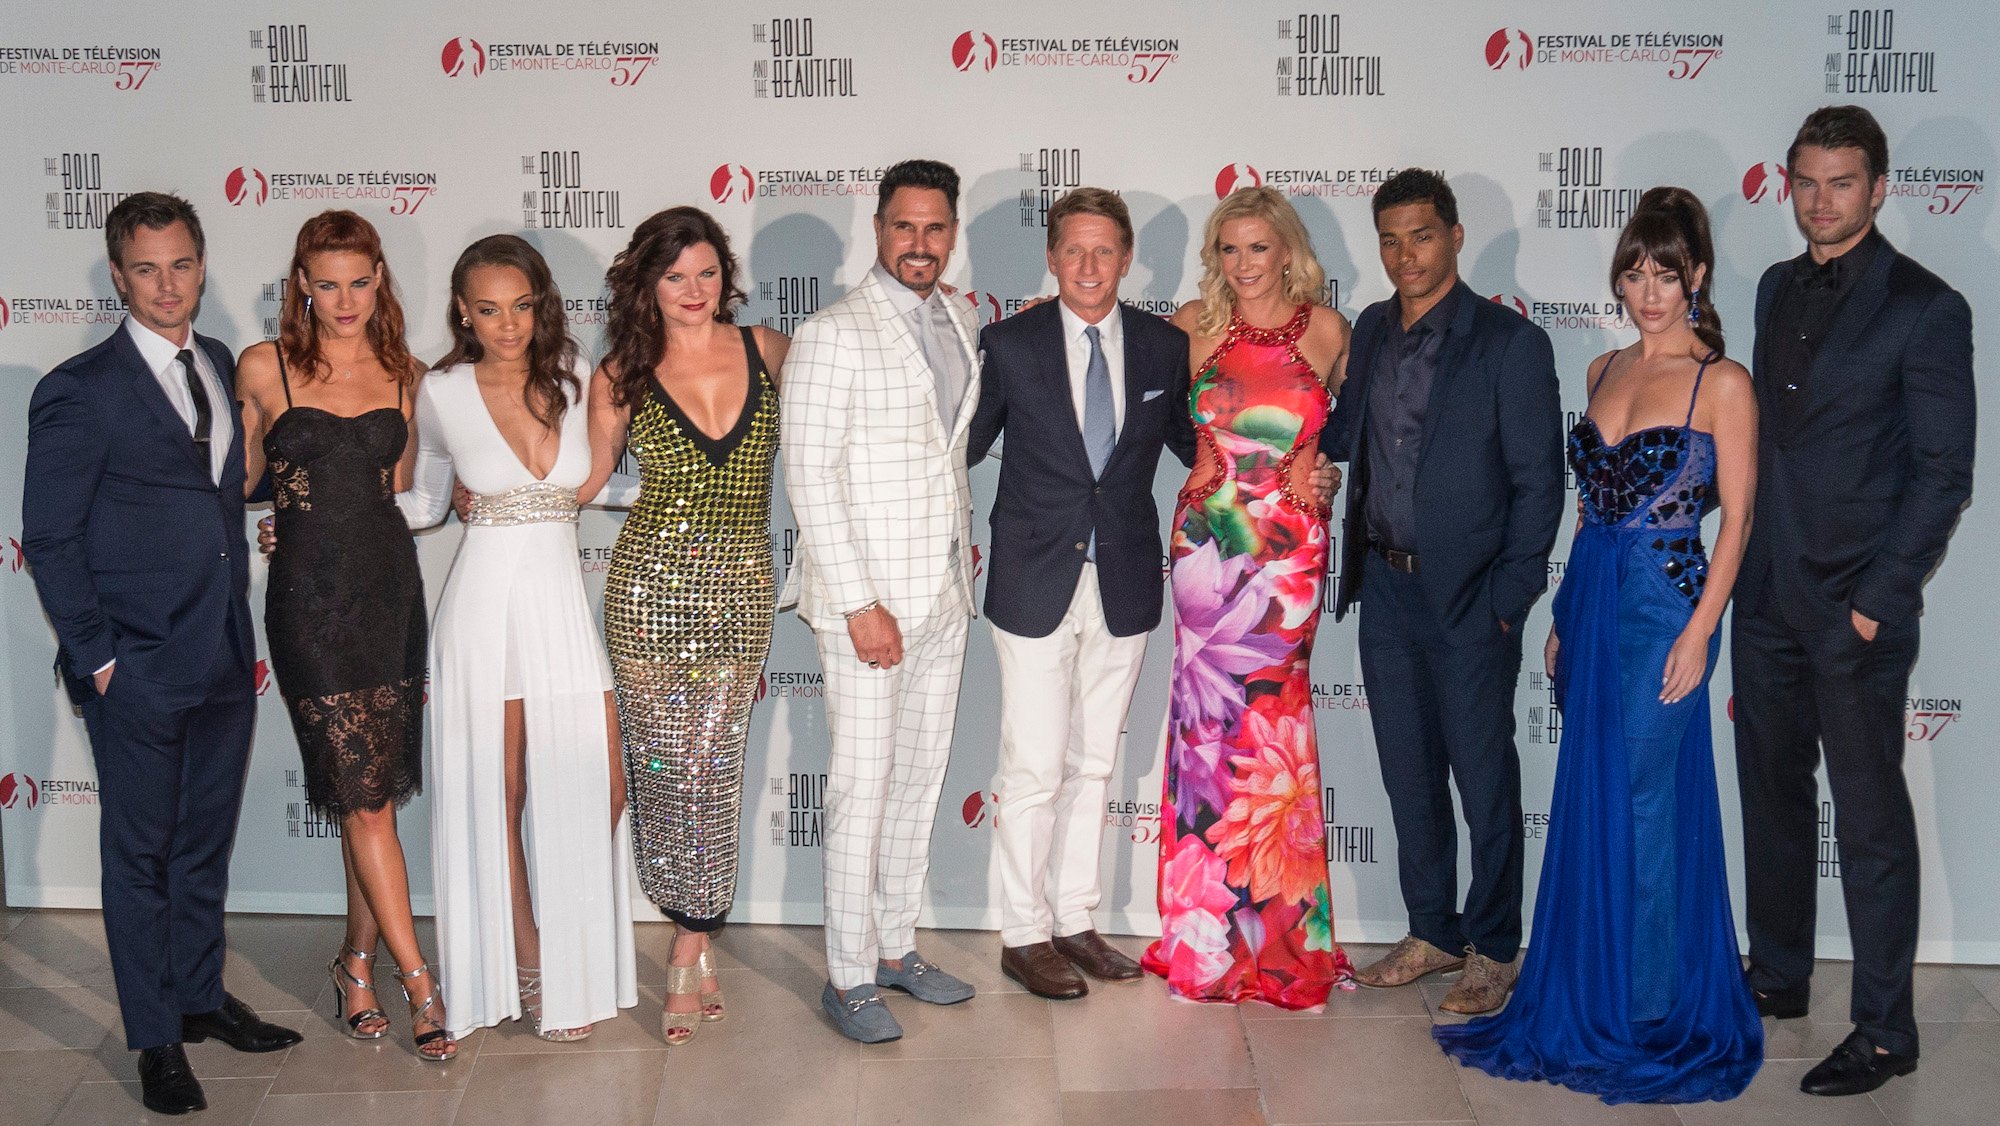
(1151, 395)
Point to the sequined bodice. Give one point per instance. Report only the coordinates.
(1659, 480)
(1257, 403)
(695, 489)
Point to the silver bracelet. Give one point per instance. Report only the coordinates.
(865, 607)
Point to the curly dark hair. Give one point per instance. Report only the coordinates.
(1670, 226)
(935, 174)
(1418, 185)
(635, 334)
(333, 232)
(552, 351)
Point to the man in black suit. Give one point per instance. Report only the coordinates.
(1088, 392)
(1451, 421)
(132, 510)
(1865, 404)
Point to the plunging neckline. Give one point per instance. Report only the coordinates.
(494, 423)
(718, 449)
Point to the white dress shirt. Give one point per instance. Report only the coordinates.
(163, 357)
(939, 345)
(1111, 340)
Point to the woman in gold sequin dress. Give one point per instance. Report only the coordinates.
(689, 598)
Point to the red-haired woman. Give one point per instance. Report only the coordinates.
(326, 409)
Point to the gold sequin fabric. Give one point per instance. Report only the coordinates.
(688, 604)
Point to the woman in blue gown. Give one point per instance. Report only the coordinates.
(1632, 989)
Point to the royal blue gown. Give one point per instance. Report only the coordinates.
(1632, 988)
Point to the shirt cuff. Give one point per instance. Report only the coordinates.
(105, 666)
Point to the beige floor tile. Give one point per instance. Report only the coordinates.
(595, 1088)
(328, 1062)
(1774, 1099)
(1942, 993)
(998, 1026)
(1508, 1102)
(1138, 1038)
(1381, 1069)
(774, 1060)
(231, 1102)
(1986, 979)
(211, 1059)
(1357, 1002)
(1806, 1040)
(1957, 1083)
(279, 962)
(376, 1108)
(54, 950)
(39, 1082)
(1003, 1092)
(57, 1018)
(974, 957)
(633, 1029)
(1236, 1106)
(761, 946)
(9, 916)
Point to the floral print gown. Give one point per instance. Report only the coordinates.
(1244, 904)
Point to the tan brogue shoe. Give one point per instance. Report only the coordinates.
(1484, 986)
(1408, 960)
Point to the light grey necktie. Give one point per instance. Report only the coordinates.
(1100, 430)
(940, 346)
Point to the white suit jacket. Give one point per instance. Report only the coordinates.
(876, 481)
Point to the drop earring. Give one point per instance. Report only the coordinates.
(1694, 306)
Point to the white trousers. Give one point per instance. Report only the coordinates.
(1063, 704)
(891, 735)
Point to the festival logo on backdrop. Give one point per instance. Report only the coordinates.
(27, 310)
(1330, 697)
(1138, 821)
(1545, 718)
(1767, 183)
(287, 72)
(1935, 190)
(1580, 199)
(1925, 718)
(1056, 170)
(1870, 57)
(6, 317)
(790, 61)
(78, 199)
(736, 183)
(1570, 313)
(1679, 55)
(1535, 824)
(22, 793)
(1140, 59)
(404, 191)
(302, 820)
(980, 810)
(620, 63)
(1323, 182)
(1313, 65)
(18, 791)
(1829, 844)
(561, 197)
(122, 67)
(791, 297)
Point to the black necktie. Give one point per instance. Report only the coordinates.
(203, 415)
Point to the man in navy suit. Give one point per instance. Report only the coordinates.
(1451, 421)
(1088, 392)
(132, 510)
(1865, 419)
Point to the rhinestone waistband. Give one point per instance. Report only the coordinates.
(539, 503)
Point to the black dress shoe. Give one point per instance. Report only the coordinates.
(1855, 1068)
(166, 1083)
(235, 1025)
(1783, 1004)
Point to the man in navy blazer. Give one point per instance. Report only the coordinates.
(1088, 392)
(132, 510)
(1865, 441)
(1451, 422)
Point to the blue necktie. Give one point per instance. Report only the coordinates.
(1100, 430)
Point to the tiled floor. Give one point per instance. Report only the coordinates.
(1124, 1055)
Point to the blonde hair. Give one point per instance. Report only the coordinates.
(1304, 280)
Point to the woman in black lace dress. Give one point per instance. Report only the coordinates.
(326, 409)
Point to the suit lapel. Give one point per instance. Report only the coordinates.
(1137, 363)
(1052, 361)
(902, 339)
(961, 316)
(149, 391)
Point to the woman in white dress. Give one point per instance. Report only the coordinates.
(529, 840)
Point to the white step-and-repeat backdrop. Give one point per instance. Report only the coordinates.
(444, 123)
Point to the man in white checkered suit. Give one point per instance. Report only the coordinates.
(879, 389)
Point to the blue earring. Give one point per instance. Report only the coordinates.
(1694, 306)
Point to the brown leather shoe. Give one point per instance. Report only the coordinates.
(1408, 960)
(1088, 951)
(1484, 987)
(1042, 971)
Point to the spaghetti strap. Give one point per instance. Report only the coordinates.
(1601, 373)
(1696, 393)
(278, 346)
(751, 356)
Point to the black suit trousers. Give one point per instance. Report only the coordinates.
(1800, 693)
(171, 764)
(1443, 713)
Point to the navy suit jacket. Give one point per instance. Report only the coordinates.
(1489, 486)
(1048, 503)
(137, 554)
(1857, 499)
